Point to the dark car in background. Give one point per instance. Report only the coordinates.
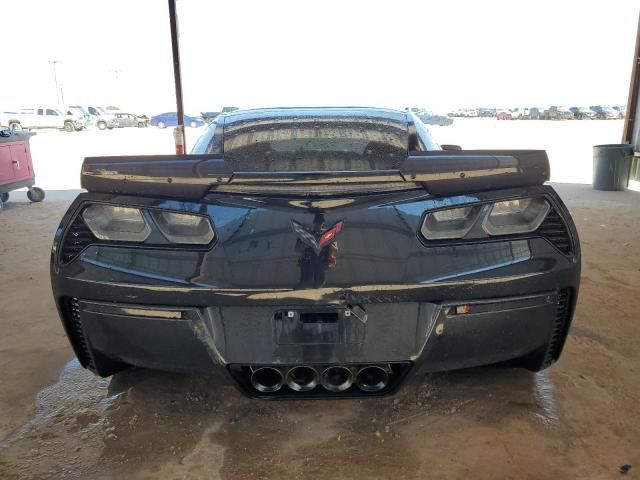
(170, 119)
(317, 252)
(124, 119)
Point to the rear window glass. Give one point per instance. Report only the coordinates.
(315, 144)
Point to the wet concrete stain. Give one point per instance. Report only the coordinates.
(146, 424)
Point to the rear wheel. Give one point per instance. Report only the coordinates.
(4, 197)
(101, 125)
(35, 194)
(162, 125)
(15, 127)
(193, 124)
(68, 127)
(140, 124)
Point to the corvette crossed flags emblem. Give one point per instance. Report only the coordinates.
(317, 241)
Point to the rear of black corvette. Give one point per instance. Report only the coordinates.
(316, 253)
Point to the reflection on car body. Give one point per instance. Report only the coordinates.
(170, 119)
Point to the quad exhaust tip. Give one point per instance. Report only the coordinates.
(372, 378)
(337, 378)
(334, 378)
(267, 379)
(302, 379)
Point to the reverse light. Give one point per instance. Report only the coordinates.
(108, 222)
(522, 215)
(449, 223)
(183, 228)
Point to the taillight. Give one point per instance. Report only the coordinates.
(130, 224)
(450, 223)
(504, 217)
(108, 222)
(522, 215)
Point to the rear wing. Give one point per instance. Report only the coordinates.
(191, 177)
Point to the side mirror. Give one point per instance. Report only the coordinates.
(451, 147)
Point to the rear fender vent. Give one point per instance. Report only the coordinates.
(77, 238)
(71, 310)
(554, 229)
(560, 328)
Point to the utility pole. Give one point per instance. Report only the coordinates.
(117, 96)
(55, 79)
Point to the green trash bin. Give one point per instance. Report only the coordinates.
(611, 166)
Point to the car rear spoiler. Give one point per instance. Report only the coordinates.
(190, 177)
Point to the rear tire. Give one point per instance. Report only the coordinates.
(15, 127)
(35, 194)
(193, 124)
(141, 125)
(101, 125)
(4, 197)
(162, 125)
(68, 127)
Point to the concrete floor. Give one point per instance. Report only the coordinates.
(579, 419)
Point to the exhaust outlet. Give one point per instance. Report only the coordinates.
(337, 378)
(372, 378)
(266, 379)
(302, 379)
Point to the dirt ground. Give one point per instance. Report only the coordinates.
(579, 419)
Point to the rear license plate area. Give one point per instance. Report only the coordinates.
(312, 327)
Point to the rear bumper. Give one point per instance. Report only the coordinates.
(423, 336)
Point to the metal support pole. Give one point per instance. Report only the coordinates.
(634, 92)
(178, 133)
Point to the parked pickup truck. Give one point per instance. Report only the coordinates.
(41, 117)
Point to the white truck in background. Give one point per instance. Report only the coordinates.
(42, 117)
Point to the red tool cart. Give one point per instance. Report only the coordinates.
(16, 169)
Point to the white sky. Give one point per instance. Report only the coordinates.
(437, 54)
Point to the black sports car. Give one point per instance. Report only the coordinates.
(317, 252)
